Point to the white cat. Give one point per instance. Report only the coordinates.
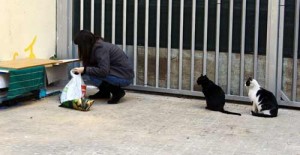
(264, 103)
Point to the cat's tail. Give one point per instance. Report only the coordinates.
(262, 115)
(232, 113)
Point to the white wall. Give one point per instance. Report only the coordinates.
(23, 20)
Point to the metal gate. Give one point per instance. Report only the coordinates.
(170, 43)
(288, 71)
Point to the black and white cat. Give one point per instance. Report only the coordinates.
(214, 95)
(264, 103)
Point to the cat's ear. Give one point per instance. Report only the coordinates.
(205, 76)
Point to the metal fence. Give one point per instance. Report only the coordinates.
(174, 69)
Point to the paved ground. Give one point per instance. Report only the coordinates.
(145, 124)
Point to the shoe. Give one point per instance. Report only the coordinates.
(117, 94)
(103, 92)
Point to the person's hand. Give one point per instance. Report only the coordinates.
(78, 70)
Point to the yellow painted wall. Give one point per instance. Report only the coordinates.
(28, 28)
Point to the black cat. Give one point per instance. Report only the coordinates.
(214, 95)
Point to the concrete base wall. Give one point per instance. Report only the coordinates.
(198, 69)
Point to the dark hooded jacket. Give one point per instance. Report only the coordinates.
(108, 59)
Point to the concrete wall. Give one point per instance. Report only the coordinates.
(287, 78)
(235, 71)
(28, 29)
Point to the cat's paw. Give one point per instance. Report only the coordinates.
(252, 112)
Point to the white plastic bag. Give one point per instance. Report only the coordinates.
(75, 89)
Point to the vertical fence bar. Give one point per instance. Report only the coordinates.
(73, 49)
(157, 44)
(272, 45)
(70, 29)
(230, 27)
(193, 43)
(256, 32)
(296, 38)
(62, 26)
(217, 40)
(124, 24)
(205, 36)
(113, 22)
(103, 19)
(146, 42)
(180, 43)
(169, 43)
(92, 15)
(243, 47)
(81, 14)
(135, 40)
(280, 48)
